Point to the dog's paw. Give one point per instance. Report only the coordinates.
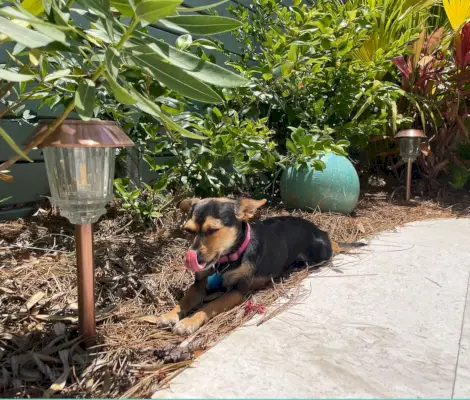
(187, 326)
(168, 319)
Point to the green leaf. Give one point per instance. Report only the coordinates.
(11, 76)
(292, 54)
(111, 58)
(57, 74)
(338, 150)
(364, 107)
(120, 188)
(204, 24)
(121, 95)
(99, 7)
(13, 145)
(291, 146)
(23, 35)
(48, 29)
(286, 68)
(35, 7)
(153, 10)
(184, 41)
(207, 44)
(217, 112)
(201, 8)
(176, 79)
(151, 108)
(124, 7)
(160, 184)
(150, 161)
(194, 66)
(85, 99)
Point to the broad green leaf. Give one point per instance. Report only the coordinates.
(292, 54)
(15, 76)
(184, 41)
(40, 25)
(123, 6)
(34, 56)
(61, 18)
(161, 184)
(203, 70)
(153, 10)
(204, 24)
(207, 44)
(85, 99)
(176, 79)
(291, 146)
(151, 108)
(286, 68)
(36, 22)
(99, 7)
(35, 7)
(111, 58)
(23, 35)
(201, 8)
(57, 74)
(13, 145)
(51, 32)
(19, 48)
(121, 94)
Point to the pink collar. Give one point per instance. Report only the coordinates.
(235, 256)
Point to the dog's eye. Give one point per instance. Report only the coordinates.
(191, 232)
(211, 231)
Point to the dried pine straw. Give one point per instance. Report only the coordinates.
(139, 274)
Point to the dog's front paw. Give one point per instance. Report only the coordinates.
(169, 319)
(188, 326)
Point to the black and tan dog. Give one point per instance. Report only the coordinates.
(247, 256)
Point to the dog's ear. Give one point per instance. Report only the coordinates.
(186, 205)
(246, 208)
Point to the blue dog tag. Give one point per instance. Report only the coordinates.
(214, 282)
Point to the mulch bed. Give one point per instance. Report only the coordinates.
(139, 275)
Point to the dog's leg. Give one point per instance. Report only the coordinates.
(193, 297)
(208, 311)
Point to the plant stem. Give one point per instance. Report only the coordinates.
(37, 140)
(127, 34)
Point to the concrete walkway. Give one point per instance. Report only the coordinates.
(394, 323)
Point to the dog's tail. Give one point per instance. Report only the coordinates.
(341, 247)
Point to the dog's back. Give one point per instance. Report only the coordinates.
(280, 241)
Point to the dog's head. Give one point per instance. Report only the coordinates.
(216, 225)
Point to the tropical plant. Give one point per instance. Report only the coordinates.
(397, 23)
(438, 70)
(304, 72)
(73, 55)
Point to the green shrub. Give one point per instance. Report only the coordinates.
(305, 72)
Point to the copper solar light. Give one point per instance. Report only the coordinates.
(410, 141)
(80, 159)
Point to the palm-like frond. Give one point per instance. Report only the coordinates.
(458, 11)
(396, 21)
